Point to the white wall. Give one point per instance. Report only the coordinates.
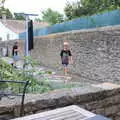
(5, 31)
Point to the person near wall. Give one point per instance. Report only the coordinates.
(15, 52)
(66, 57)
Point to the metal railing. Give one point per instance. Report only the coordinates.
(5, 94)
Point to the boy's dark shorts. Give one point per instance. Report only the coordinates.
(15, 57)
(64, 64)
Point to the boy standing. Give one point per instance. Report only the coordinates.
(66, 56)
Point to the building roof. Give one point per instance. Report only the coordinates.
(18, 26)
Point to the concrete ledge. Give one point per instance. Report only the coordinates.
(94, 99)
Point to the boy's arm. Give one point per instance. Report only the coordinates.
(61, 53)
(70, 57)
(14, 48)
(18, 49)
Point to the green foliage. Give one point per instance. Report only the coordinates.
(18, 17)
(69, 11)
(52, 17)
(36, 85)
(38, 20)
(30, 61)
(7, 72)
(89, 7)
(7, 12)
(61, 85)
(2, 2)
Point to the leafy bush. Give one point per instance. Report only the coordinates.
(36, 85)
(7, 72)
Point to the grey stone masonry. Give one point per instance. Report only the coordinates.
(96, 53)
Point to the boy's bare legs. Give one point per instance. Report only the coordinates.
(65, 74)
(65, 70)
(14, 63)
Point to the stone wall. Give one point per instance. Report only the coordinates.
(97, 99)
(96, 52)
(9, 44)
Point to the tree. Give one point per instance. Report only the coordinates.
(7, 12)
(2, 2)
(18, 17)
(4, 10)
(69, 11)
(38, 20)
(52, 17)
(89, 7)
(100, 5)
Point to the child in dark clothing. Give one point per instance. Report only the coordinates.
(15, 50)
(66, 56)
